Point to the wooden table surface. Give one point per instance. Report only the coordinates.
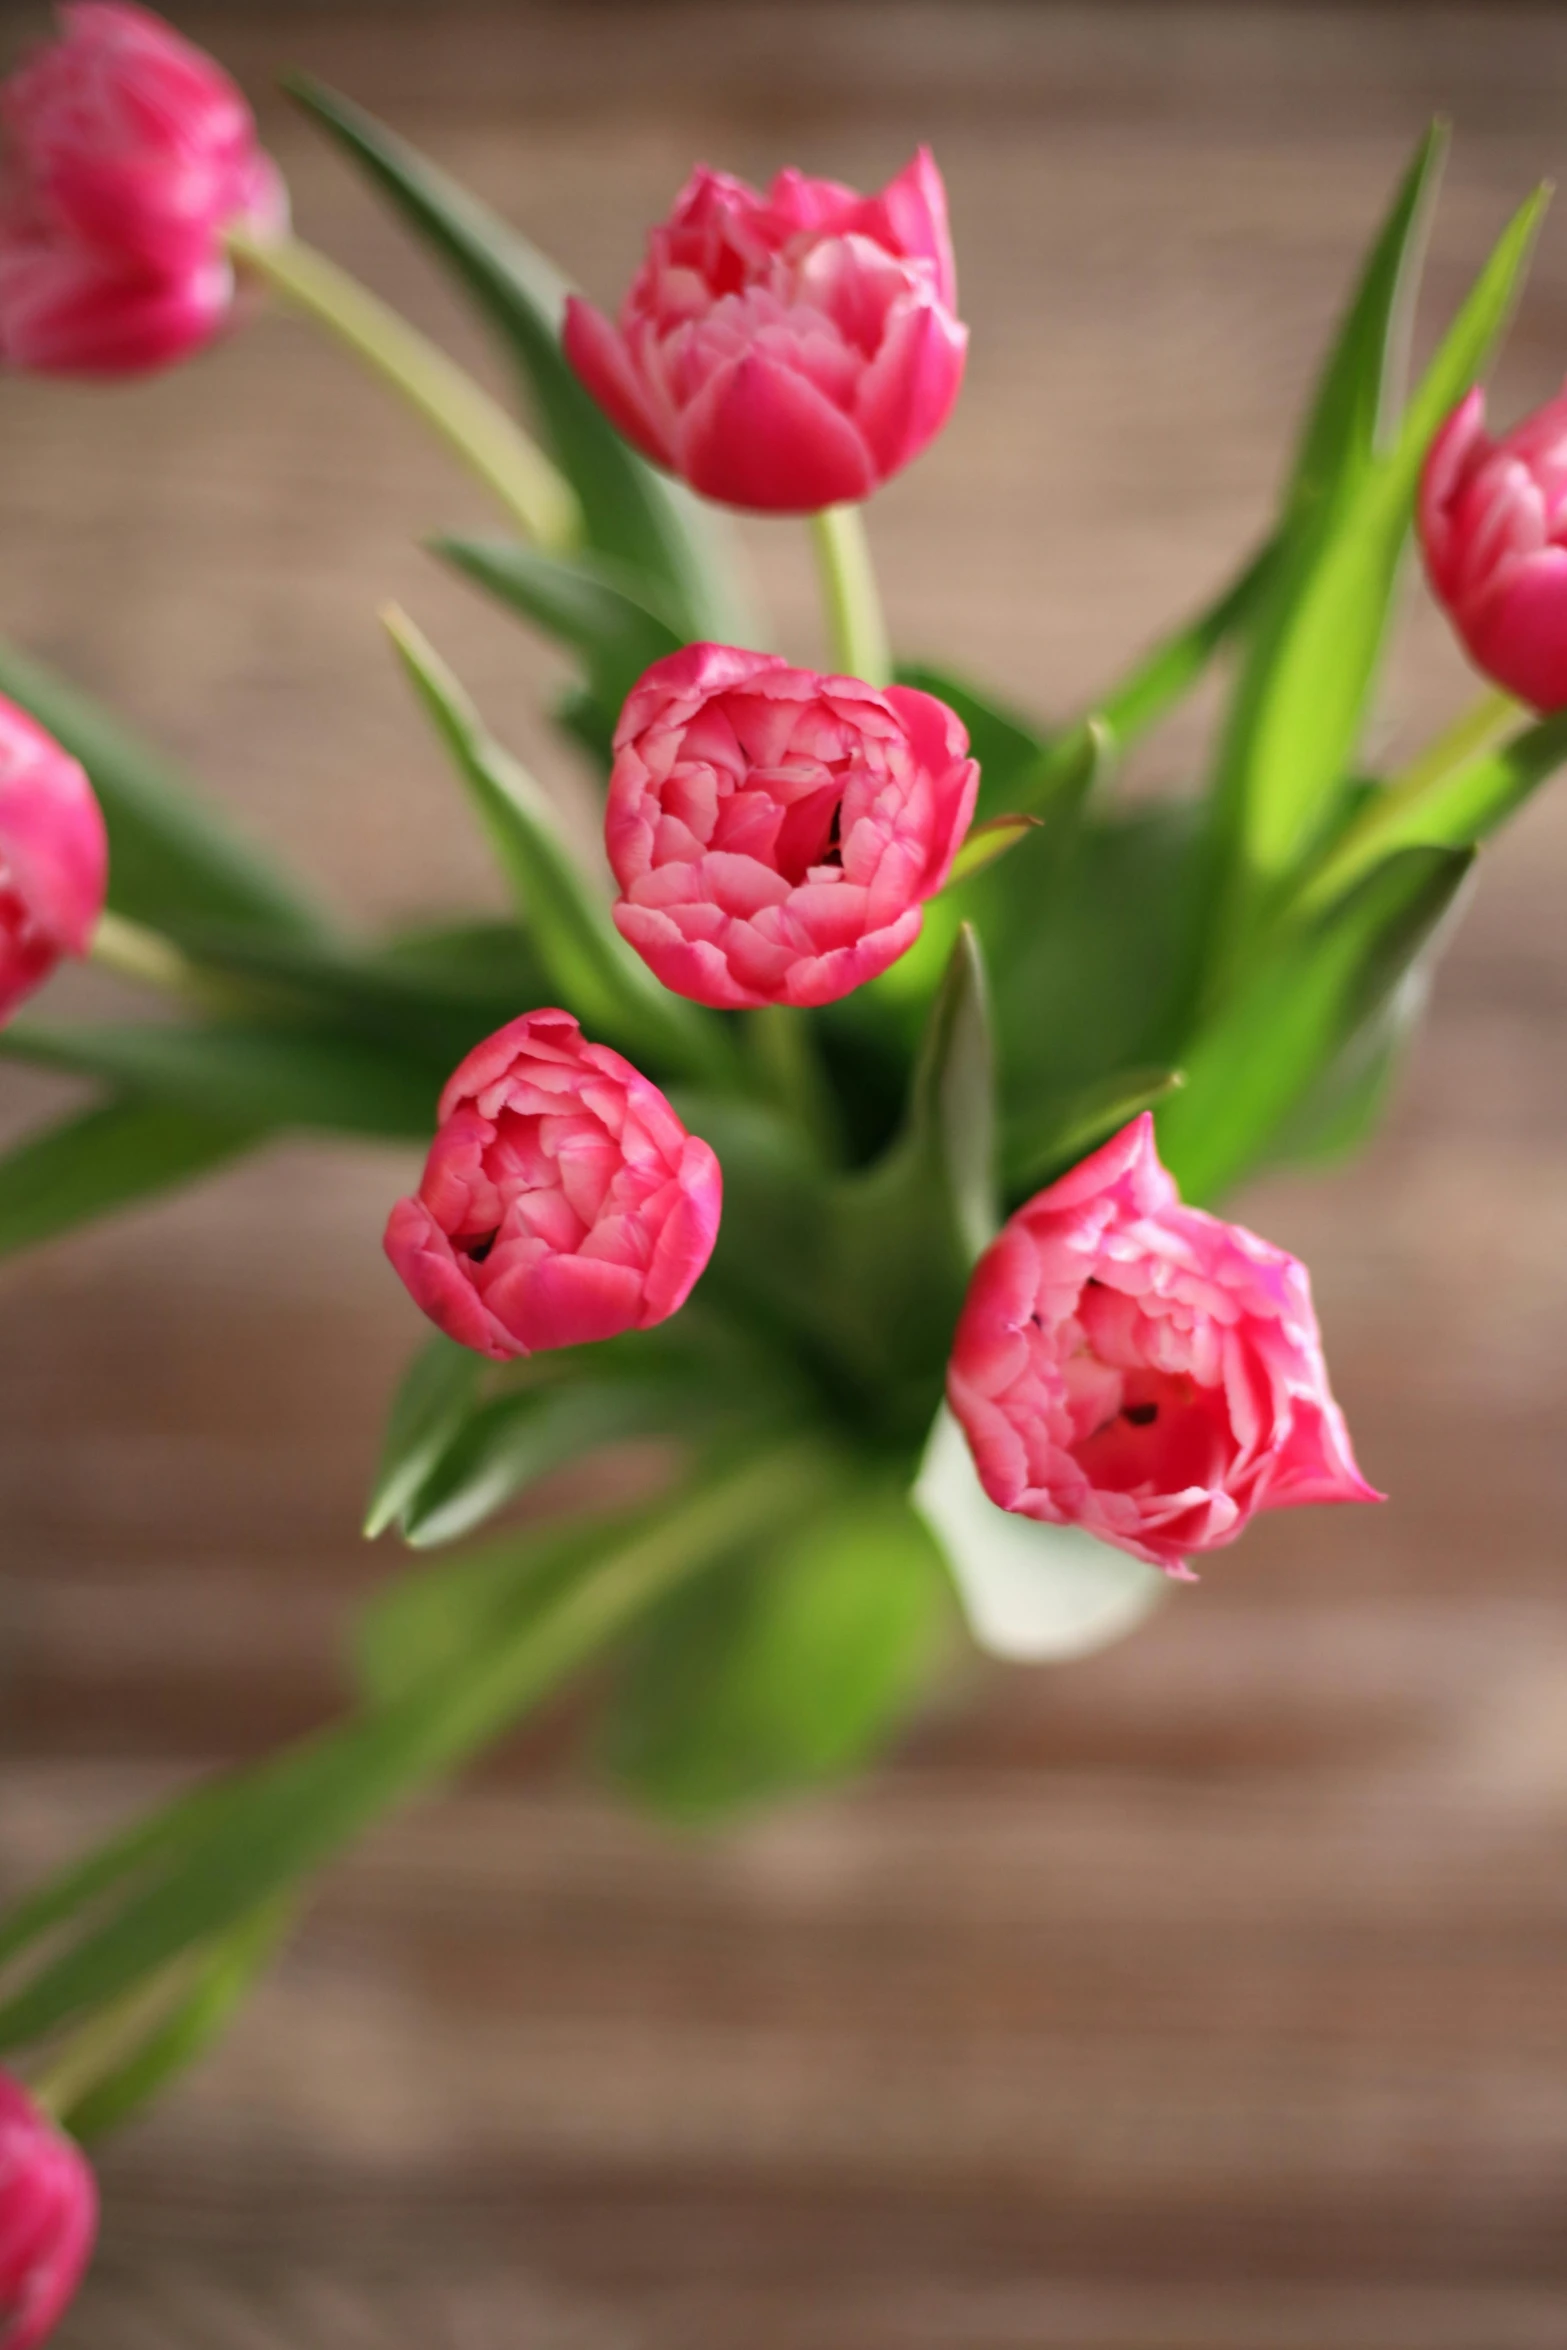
(1207, 1995)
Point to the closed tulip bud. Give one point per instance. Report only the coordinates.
(1142, 1370)
(789, 351)
(1493, 526)
(775, 833)
(48, 2219)
(54, 858)
(562, 1199)
(128, 153)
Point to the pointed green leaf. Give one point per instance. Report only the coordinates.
(1302, 696)
(172, 858)
(986, 842)
(784, 1666)
(512, 1441)
(610, 989)
(669, 538)
(1305, 1003)
(107, 1158)
(223, 1975)
(245, 1075)
(899, 1239)
(432, 1402)
(1046, 1142)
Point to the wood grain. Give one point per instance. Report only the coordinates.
(1205, 1996)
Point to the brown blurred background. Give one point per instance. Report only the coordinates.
(1207, 1995)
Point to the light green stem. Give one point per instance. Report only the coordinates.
(539, 499)
(147, 957)
(1388, 814)
(856, 629)
(790, 1067)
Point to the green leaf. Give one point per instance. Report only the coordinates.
(271, 1827)
(681, 548)
(172, 858)
(222, 1978)
(986, 842)
(104, 1159)
(1006, 745)
(1299, 1007)
(590, 603)
(786, 1665)
(1302, 696)
(1046, 1142)
(245, 1075)
(433, 1399)
(512, 1441)
(1360, 390)
(1456, 809)
(1033, 1593)
(900, 1237)
(596, 973)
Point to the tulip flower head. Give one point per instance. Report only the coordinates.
(127, 154)
(54, 858)
(1493, 526)
(48, 2219)
(1142, 1370)
(562, 1200)
(789, 351)
(775, 833)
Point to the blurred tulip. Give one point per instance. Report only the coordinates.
(1493, 525)
(562, 1200)
(789, 351)
(48, 2219)
(775, 833)
(128, 153)
(54, 857)
(1142, 1370)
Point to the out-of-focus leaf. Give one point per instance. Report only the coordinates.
(223, 1975)
(681, 548)
(513, 1440)
(243, 1075)
(1302, 696)
(785, 1665)
(900, 1237)
(433, 1399)
(1007, 745)
(990, 840)
(608, 986)
(1036, 1594)
(588, 602)
(276, 1824)
(172, 858)
(1300, 1007)
(1456, 810)
(107, 1158)
(1046, 1142)
(1097, 983)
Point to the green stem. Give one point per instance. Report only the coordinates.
(1388, 814)
(538, 498)
(856, 630)
(790, 1067)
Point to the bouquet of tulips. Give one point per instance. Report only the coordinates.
(861, 1134)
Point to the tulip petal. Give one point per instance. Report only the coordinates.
(762, 437)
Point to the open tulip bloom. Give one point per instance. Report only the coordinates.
(865, 1135)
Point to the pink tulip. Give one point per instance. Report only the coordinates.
(562, 1199)
(128, 153)
(48, 2219)
(775, 833)
(1142, 1370)
(1493, 523)
(788, 351)
(54, 856)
